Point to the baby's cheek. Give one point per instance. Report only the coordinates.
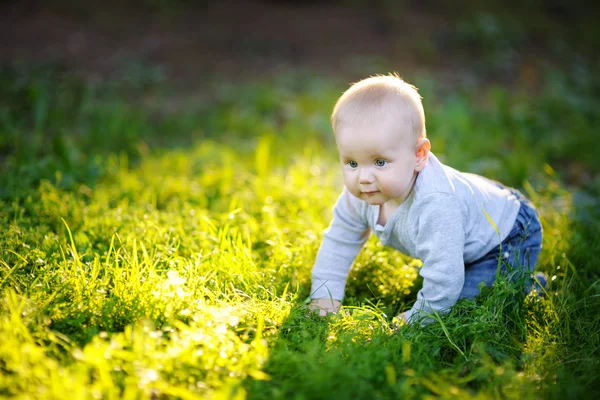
(390, 182)
(398, 187)
(349, 180)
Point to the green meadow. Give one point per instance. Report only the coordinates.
(152, 254)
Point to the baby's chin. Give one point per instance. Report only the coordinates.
(374, 199)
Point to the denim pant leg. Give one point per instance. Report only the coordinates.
(516, 256)
(482, 270)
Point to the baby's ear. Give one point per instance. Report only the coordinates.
(422, 154)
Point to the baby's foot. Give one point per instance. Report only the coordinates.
(540, 283)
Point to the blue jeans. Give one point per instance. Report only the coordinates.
(518, 252)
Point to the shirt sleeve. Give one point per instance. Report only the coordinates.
(342, 240)
(440, 241)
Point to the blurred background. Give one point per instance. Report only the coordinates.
(171, 71)
(193, 42)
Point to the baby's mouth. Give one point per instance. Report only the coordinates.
(371, 192)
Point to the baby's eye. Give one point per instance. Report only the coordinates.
(352, 164)
(380, 162)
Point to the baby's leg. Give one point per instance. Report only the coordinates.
(518, 254)
(520, 250)
(483, 270)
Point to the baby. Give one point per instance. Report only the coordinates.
(398, 189)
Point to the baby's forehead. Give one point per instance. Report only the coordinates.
(377, 127)
(372, 139)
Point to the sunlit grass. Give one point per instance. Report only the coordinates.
(171, 258)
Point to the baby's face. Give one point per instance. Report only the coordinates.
(379, 161)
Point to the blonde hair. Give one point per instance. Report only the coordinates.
(377, 96)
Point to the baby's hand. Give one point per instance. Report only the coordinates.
(324, 306)
(398, 321)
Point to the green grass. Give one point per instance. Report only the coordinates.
(167, 255)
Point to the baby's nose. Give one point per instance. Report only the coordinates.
(365, 176)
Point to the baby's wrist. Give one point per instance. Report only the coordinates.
(325, 300)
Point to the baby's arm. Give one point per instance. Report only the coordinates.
(440, 240)
(342, 241)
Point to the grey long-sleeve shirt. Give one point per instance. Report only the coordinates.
(442, 222)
